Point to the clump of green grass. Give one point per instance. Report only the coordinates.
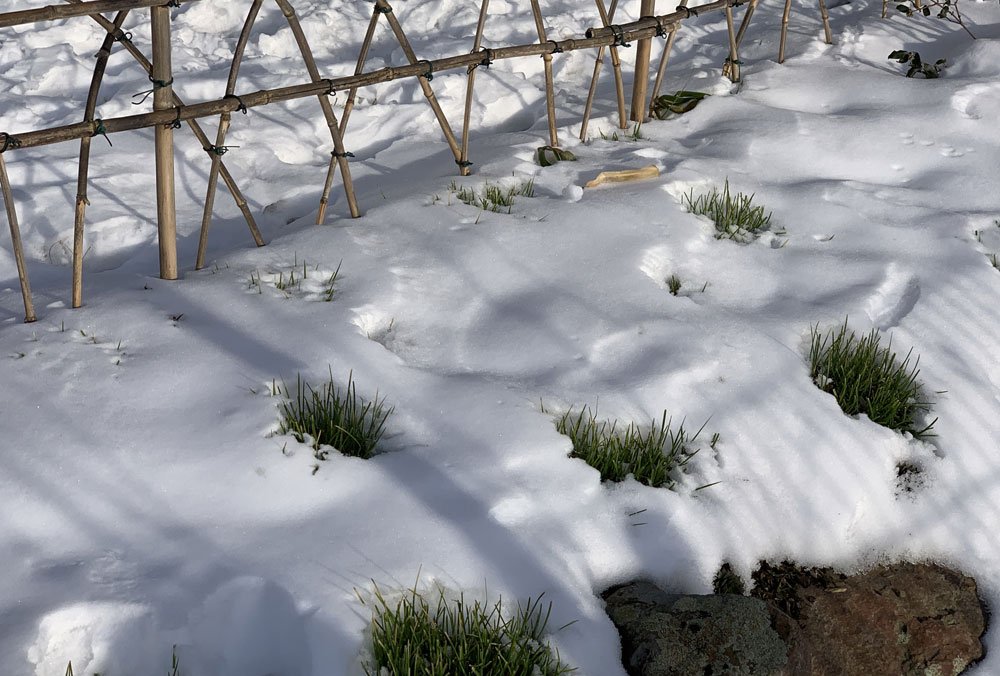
(445, 637)
(867, 377)
(494, 197)
(673, 284)
(735, 216)
(333, 416)
(650, 454)
(634, 135)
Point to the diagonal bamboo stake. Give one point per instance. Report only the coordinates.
(550, 95)
(661, 71)
(225, 119)
(449, 135)
(731, 69)
(746, 22)
(324, 101)
(784, 30)
(607, 16)
(463, 161)
(352, 94)
(84, 164)
(15, 238)
(196, 129)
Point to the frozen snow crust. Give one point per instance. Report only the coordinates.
(146, 503)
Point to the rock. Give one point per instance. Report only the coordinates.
(909, 619)
(678, 635)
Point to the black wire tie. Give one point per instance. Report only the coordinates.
(176, 124)
(9, 142)
(219, 150)
(242, 107)
(100, 130)
(346, 153)
(463, 163)
(383, 9)
(619, 34)
(556, 49)
(157, 84)
(429, 75)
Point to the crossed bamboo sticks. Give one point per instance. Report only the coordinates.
(169, 110)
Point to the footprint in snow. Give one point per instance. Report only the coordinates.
(973, 99)
(894, 299)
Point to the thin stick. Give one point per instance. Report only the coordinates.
(425, 85)
(826, 20)
(15, 240)
(731, 69)
(196, 129)
(550, 95)
(640, 85)
(54, 12)
(166, 212)
(470, 84)
(84, 165)
(784, 30)
(664, 60)
(225, 119)
(606, 17)
(331, 121)
(352, 94)
(746, 22)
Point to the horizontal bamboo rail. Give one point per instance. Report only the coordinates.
(54, 12)
(596, 37)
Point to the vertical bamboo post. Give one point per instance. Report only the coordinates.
(166, 212)
(731, 69)
(339, 153)
(425, 85)
(15, 239)
(665, 60)
(470, 84)
(640, 85)
(826, 21)
(217, 150)
(784, 30)
(550, 95)
(84, 164)
(352, 94)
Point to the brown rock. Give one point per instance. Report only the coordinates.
(909, 619)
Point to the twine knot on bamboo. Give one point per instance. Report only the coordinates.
(9, 141)
(383, 9)
(619, 34)
(242, 107)
(100, 130)
(464, 164)
(556, 47)
(122, 36)
(487, 58)
(176, 123)
(157, 84)
(732, 60)
(173, 3)
(330, 91)
(218, 150)
(429, 75)
(344, 154)
(661, 32)
(690, 12)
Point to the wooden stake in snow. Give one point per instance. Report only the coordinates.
(550, 94)
(827, 33)
(607, 16)
(652, 171)
(731, 69)
(665, 59)
(641, 83)
(15, 231)
(166, 213)
(470, 84)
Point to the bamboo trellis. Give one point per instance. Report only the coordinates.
(169, 111)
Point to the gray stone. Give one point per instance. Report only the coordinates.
(682, 635)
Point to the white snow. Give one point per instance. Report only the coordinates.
(147, 502)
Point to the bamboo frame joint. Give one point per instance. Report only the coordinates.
(9, 141)
(619, 34)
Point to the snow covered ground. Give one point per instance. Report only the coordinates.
(147, 502)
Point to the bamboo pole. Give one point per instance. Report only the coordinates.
(731, 68)
(15, 239)
(661, 71)
(550, 95)
(84, 164)
(425, 84)
(784, 30)
(91, 7)
(640, 85)
(470, 84)
(352, 94)
(324, 101)
(746, 22)
(607, 16)
(166, 211)
(596, 37)
(219, 148)
(196, 129)
(826, 21)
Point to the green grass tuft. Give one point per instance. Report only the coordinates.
(333, 416)
(734, 216)
(495, 197)
(866, 377)
(450, 636)
(673, 284)
(650, 454)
